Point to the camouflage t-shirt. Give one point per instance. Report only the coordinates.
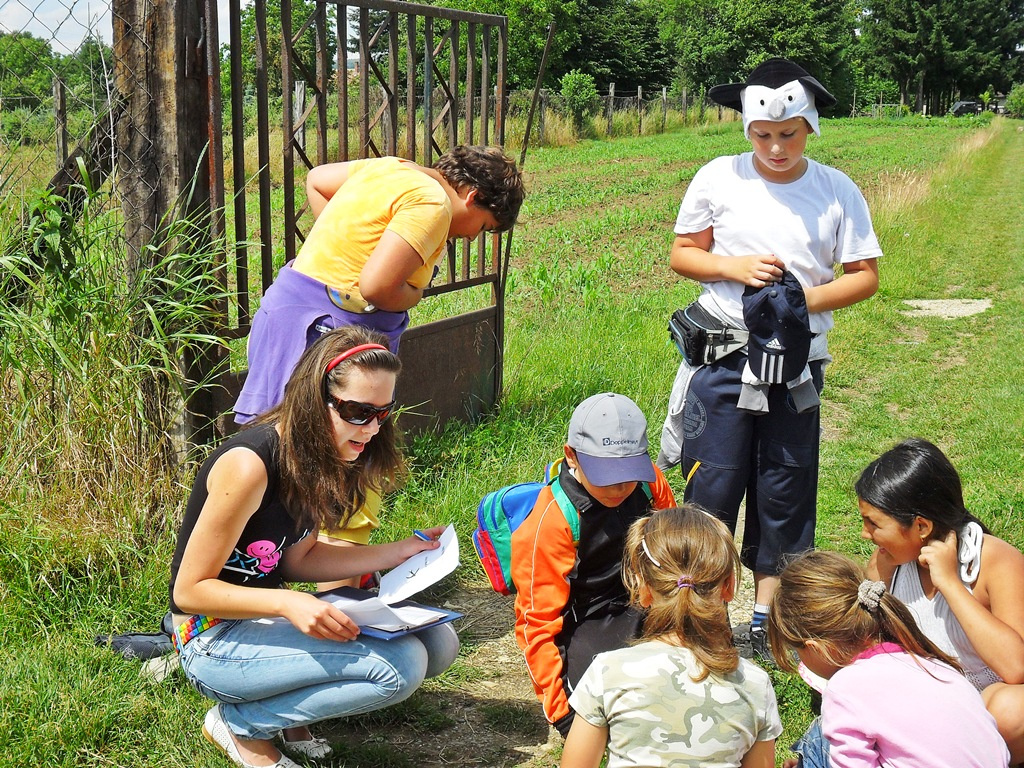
(657, 716)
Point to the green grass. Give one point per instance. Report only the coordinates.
(591, 294)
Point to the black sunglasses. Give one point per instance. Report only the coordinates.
(359, 414)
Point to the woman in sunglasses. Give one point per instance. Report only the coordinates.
(250, 527)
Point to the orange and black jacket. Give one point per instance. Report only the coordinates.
(560, 583)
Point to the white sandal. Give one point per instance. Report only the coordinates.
(313, 749)
(217, 733)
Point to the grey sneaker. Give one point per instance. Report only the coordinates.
(313, 748)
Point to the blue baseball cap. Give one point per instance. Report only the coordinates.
(780, 331)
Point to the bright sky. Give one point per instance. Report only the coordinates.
(65, 22)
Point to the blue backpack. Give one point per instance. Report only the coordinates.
(502, 511)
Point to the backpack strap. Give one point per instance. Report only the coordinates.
(572, 515)
(569, 511)
(552, 469)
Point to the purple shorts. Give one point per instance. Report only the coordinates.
(295, 312)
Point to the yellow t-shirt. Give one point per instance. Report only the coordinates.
(363, 523)
(380, 194)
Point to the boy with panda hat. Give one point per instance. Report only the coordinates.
(769, 220)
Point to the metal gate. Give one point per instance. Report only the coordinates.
(453, 91)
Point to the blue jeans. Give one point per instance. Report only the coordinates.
(269, 676)
(813, 747)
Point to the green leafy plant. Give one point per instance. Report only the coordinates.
(91, 350)
(580, 96)
(986, 96)
(1015, 101)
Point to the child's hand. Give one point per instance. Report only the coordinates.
(757, 270)
(790, 762)
(318, 618)
(939, 556)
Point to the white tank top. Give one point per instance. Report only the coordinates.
(936, 619)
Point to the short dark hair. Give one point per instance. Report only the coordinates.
(492, 173)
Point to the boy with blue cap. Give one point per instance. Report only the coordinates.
(763, 232)
(571, 603)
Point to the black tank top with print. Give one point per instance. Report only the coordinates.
(255, 558)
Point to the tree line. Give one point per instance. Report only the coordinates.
(28, 70)
(921, 53)
(924, 54)
(28, 66)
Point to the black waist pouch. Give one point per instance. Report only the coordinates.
(701, 337)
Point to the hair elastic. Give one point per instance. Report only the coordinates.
(869, 595)
(685, 581)
(349, 352)
(643, 543)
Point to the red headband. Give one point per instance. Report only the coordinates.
(349, 352)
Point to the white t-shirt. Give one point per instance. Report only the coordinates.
(657, 715)
(812, 224)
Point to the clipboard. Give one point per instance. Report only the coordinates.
(346, 596)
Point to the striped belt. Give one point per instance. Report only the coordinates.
(191, 627)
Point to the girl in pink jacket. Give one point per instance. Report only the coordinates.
(892, 698)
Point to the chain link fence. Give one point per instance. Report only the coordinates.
(90, 377)
(56, 92)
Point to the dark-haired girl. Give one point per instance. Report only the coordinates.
(964, 586)
(381, 227)
(276, 658)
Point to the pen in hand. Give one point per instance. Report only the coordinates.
(422, 536)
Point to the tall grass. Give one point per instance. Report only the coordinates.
(90, 353)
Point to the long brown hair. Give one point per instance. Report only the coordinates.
(320, 488)
(683, 557)
(819, 598)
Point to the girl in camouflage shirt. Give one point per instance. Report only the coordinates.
(681, 696)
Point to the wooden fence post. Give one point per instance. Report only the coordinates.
(385, 120)
(541, 115)
(298, 108)
(611, 106)
(684, 106)
(60, 116)
(664, 107)
(161, 69)
(639, 110)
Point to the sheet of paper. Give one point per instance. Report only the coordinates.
(421, 570)
(372, 612)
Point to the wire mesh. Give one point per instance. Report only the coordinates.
(56, 88)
